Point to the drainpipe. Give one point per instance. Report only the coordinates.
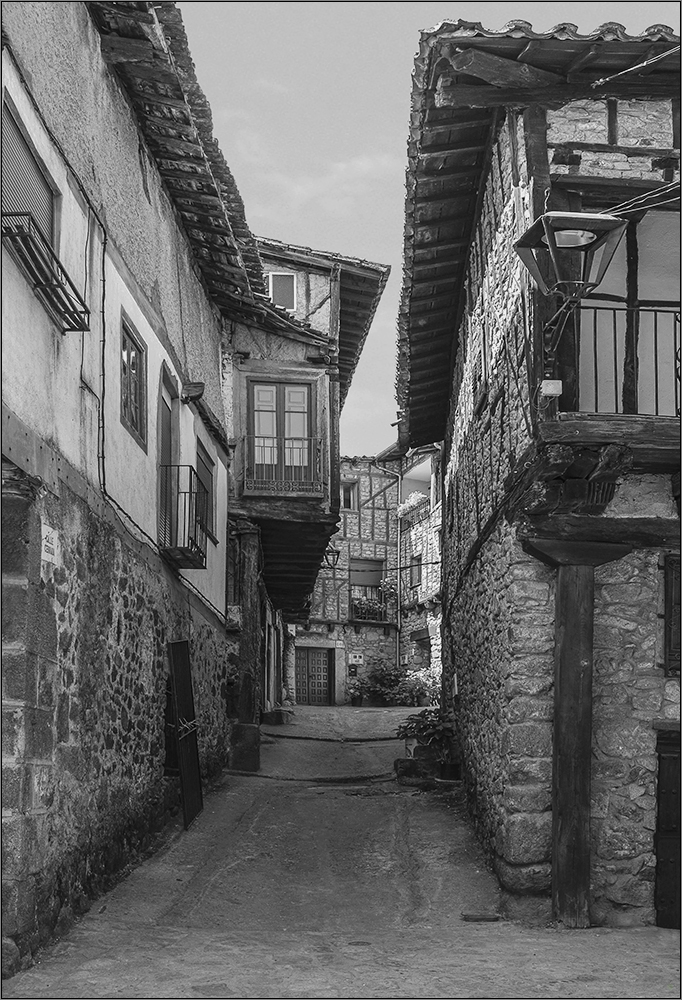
(399, 477)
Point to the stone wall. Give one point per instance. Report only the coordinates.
(628, 143)
(490, 419)
(498, 639)
(85, 627)
(630, 691)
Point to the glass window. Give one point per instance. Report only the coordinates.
(205, 469)
(349, 496)
(415, 571)
(283, 290)
(281, 424)
(133, 384)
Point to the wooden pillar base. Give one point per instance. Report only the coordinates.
(572, 747)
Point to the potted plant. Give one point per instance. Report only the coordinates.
(429, 734)
(356, 688)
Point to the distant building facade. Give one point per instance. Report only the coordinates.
(353, 623)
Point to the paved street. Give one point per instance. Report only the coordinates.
(321, 877)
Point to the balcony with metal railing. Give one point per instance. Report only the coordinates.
(628, 359)
(183, 516)
(36, 258)
(283, 466)
(367, 603)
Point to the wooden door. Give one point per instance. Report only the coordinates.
(667, 895)
(313, 677)
(186, 730)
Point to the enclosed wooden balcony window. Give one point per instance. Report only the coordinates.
(281, 455)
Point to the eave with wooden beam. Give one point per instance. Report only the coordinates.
(361, 285)
(464, 78)
(558, 491)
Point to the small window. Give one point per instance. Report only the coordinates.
(134, 384)
(415, 571)
(25, 188)
(205, 468)
(349, 496)
(283, 290)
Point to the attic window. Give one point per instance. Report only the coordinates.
(282, 290)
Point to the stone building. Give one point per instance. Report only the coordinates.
(419, 525)
(353, 624)
(557, 399)
(376, 602)
(169, 433)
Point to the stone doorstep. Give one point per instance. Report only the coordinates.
(277, 717)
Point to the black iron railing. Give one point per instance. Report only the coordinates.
(36, 258)
(183, 511)
(367, 603)
(283, 465)
(629, 360)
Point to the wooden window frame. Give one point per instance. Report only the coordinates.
(139, 434)
(204, 459)
(352, 487)
(415, 572)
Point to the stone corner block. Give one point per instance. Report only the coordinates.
(524, 880)
(525, 838)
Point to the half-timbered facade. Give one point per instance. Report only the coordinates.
(561, 449)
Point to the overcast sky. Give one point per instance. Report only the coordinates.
(310, 106)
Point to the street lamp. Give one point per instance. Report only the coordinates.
(573, 243)
(577, 247)
(331, 556)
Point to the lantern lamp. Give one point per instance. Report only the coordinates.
(578, 247)
(331, 556)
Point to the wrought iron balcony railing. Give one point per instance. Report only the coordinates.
(183, 512)
(629, 360)
(367, 604)
(286, 466)
(36, 258)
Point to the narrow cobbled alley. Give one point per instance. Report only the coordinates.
(321, 876)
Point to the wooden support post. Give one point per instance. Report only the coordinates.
(572, 747)
(572, 751)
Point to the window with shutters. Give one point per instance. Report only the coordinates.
(28, 228)
(134, 384)
(25, 188)
(205, 474)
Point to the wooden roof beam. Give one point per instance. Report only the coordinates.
(462, 95)
(499, 71)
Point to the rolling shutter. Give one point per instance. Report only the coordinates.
(24, 185)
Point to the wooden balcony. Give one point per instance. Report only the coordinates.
(621, 376)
